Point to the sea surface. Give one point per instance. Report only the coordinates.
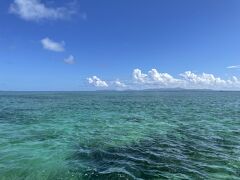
(119, 135)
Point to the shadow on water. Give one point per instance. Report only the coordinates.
(157, 157)
(181, 154)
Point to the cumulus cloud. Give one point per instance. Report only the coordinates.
(139, 76)
(69, 60)
(35, 10)
(52, 45)
(234, 67)
(203, 80)
(162, 78)
(155, 79)
(234, 82)
(188, 80)
(119, 84)
(97, 82)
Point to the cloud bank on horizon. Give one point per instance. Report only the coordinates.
(154, 79)
(97, 82)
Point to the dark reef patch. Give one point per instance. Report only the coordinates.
(158, 157)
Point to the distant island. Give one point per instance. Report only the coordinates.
(158, 89)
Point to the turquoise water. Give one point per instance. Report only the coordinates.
(120, 135)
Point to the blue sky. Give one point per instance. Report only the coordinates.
(122, 44)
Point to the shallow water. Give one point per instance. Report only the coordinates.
(120, 135)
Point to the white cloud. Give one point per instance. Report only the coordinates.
(234, 67)
(155, 79)
(203, 80)
(69, 60)
(139, 76)
(35, 10)
(52, 45)
(234, 82)
(97, 82)
(119, 84)
(162, 78)
(188, 80)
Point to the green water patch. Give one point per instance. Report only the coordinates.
(119, 135)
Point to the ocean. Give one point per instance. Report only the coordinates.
(120, 135)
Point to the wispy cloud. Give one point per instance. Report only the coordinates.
(84, 16)
(97, 82)
(189, 80)
(69, 60)
(234, 67)
(35, 10)
(52, 45)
